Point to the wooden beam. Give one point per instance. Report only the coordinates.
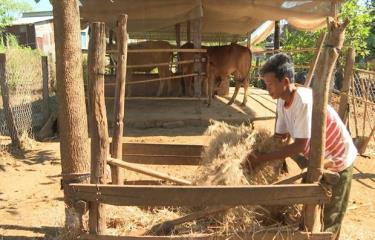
(119, 104)
(98, 120)
(200, 195)
(147, 171)
(159, 50)
(260, 235)
(348, 76)
(163, 149)
(9, 118)
(327, 64)
(177, 28)
(45, 109)
(162, 159)
(314, 61)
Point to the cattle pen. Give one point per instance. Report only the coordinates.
(94, 195)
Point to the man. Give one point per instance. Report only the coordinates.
(294, 120)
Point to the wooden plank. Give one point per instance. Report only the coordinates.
(348, 76)
(45, 108)
(261, 235)
(162, 159)
(119, 103)
(163, 149)
(98, 119)
(200, 195)
(147, 171)
(314, 61)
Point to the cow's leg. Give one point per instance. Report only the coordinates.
(237, 88)
(245, 87)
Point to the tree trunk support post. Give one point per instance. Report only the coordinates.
(74, 142)
(98, 119)
(119, 104)
(348, 76)
(326, 66)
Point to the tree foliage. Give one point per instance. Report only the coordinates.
(9, 10)
(358, 32)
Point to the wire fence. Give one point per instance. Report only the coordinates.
(23, 80)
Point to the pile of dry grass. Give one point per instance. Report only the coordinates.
(226, 151)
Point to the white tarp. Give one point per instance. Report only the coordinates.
(218, 16)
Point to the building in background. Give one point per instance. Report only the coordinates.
(35, 30)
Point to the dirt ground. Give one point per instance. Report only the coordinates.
(31, 202)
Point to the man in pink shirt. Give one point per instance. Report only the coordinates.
(294, 110)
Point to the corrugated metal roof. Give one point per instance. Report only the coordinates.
(31, 20)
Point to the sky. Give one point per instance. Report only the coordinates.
(43, 5)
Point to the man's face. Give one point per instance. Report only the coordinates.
(275, 87)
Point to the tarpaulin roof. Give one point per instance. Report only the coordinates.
(234, 18)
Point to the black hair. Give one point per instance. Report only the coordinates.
(280, 64)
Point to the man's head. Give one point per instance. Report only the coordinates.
(278, 74)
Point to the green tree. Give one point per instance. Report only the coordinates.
(358, 32)
(9, 10)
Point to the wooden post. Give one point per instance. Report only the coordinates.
(178, 44)
(327, 62)
(99, 128)
(348, 76)
(45, 108)
(197, 38)
(9, 118)
(314, 61)
(177, 27)
(188, 31)
(119, 105)
(276, 36)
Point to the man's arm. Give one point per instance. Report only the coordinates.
(290, 150)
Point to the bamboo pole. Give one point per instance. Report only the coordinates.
(327, 62)
(10, 120)
(119, 104)
(139, 169)
(314, 61)
(99, 128)
(348, 75)
(355, 110)
(365, 92)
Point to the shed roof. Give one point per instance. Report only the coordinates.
(226, 18)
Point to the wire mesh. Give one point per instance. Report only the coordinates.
(23, 77)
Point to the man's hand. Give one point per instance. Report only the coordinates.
(253, 159)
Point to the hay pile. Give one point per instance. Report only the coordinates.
(227, 150)
(228, 147)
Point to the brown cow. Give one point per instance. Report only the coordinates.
(150, 58)
(223, 61)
